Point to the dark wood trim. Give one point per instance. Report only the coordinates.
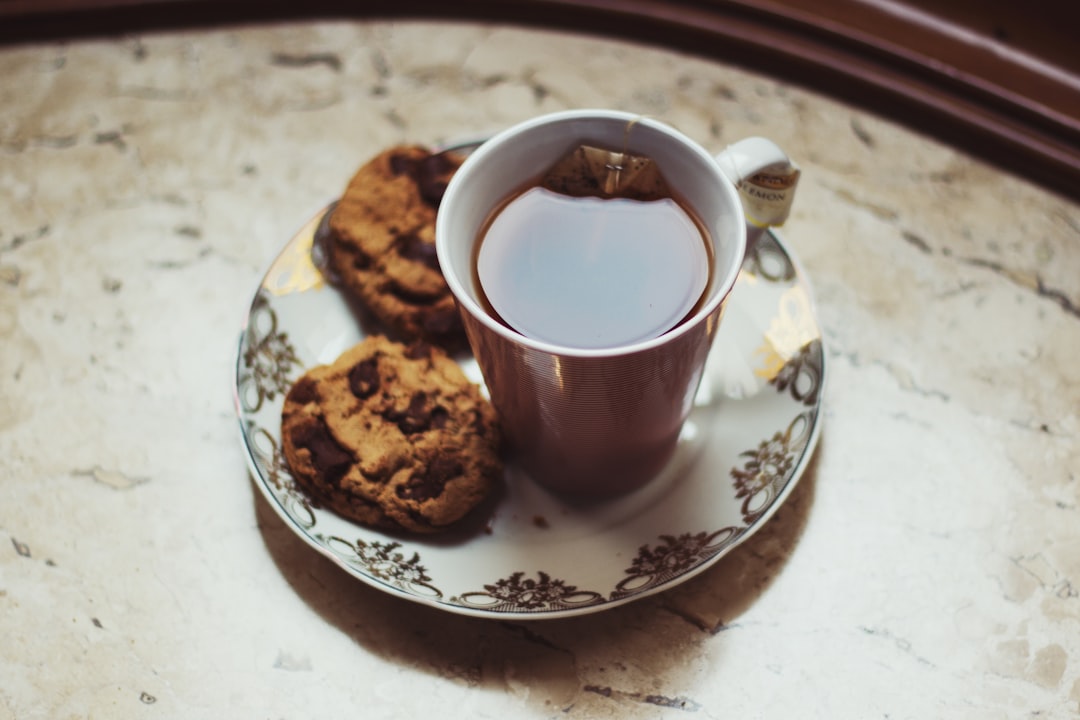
(995, 78)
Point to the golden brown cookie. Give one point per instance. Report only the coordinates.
(382, 244)
(392, 436)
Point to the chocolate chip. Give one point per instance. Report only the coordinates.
(479, 426)
(431, 190)
(401, 164)
(438, 164)
(414, 248)
(416, 418)
(430, 174)
(304, 391)
(362, 261)
(431, 483)
(442, 321)
(431, 177)
(439, 417)
(331, 461)
(410, 297)
(364, 378)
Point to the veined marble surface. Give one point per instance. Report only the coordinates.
(927, 566)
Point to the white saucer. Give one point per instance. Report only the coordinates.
(747, 442)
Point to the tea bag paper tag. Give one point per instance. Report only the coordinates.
(598, 172)
(767, 196)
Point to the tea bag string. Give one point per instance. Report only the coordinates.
(617, 162)
(613, 177)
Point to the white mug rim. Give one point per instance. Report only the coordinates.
(723, 285)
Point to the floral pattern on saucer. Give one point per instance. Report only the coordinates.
(753, 429)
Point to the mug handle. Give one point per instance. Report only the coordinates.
(766, 179)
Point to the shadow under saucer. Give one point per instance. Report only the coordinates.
(564, 661)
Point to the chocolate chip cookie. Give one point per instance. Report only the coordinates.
(392, 436)
(382, 244)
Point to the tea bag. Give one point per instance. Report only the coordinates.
(589, 171)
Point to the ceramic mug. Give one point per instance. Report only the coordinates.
(585, 422)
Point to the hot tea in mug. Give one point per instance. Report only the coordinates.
(579, 259)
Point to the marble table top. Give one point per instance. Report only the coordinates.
(926, 565)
